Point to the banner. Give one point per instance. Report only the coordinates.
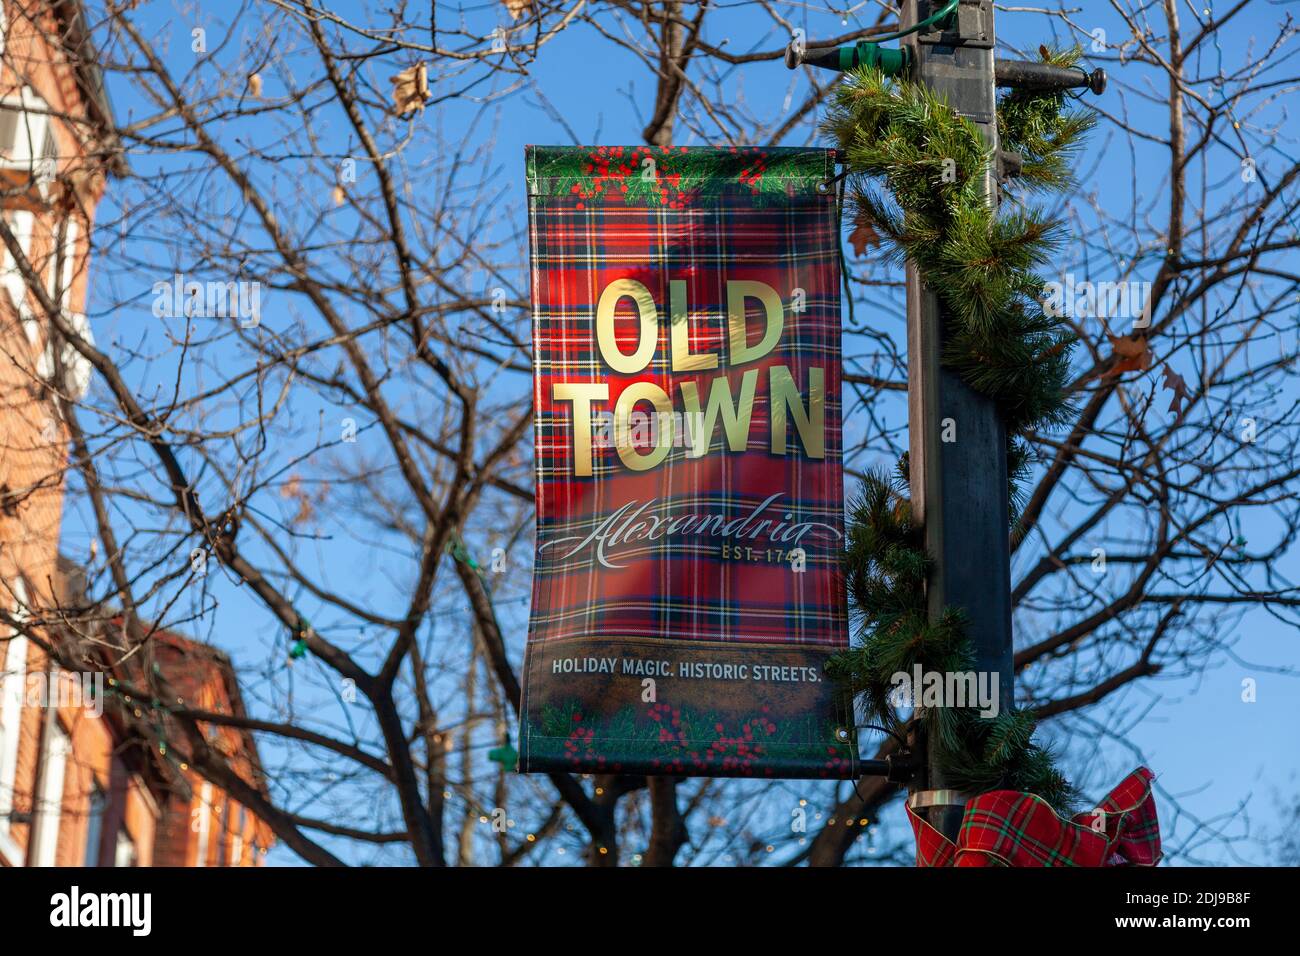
(687, 587)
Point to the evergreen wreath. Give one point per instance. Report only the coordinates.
(918, 173)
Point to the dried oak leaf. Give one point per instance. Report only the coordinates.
(864, 234)
(1131, 353)
(1174, 383)
(1052, 352)
(410, 89)
(293, 490)
(517, 8)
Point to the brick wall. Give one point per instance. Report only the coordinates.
(33, 439)
(156, 810)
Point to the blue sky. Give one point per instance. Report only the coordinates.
(1211, 750)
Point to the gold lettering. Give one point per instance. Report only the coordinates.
(783, 395)
(737, 292)
(627, 400)
(582, 395)
(648, 314)
(735, 421)
(679, 333)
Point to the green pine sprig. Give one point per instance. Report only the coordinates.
(917, 174)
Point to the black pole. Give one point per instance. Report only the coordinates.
(956, 436)
(957, 439)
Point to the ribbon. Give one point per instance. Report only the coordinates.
(1011, 828)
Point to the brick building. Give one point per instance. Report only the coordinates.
(198, 824)
(79, 782)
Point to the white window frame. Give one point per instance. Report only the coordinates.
(21, 222)
(13, 673)
(49, 804)
(205, 823)
(29, 140)
(31, 324)
(45, 165)
(61, 266)
(237, 842)
(76, 370)
(13, 676)
(124, 853)
(94, 822)
(29, 156)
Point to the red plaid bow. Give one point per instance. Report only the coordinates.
(1010, 828)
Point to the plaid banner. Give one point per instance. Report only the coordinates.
(1009, 828)
(687, 586)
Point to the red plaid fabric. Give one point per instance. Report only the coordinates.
(711, 216)
(1009, 828)
(713, 580)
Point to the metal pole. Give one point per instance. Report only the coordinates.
(957, 438)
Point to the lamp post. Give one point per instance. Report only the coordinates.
(957, 439)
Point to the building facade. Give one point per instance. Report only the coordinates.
(80, 783)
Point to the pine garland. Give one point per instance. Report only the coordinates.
(672, 176)
(918, 173)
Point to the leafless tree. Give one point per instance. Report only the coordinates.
(347, 465)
